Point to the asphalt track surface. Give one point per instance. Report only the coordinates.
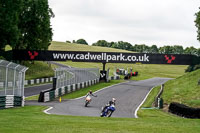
(35, 90)
(129, 96)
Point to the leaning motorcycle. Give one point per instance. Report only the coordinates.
(107, 112)
(87, 100)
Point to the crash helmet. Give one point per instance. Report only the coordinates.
(90, 91)
(113, 99)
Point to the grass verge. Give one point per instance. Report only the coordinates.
(31, 119)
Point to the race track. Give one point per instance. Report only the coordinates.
(129, 96)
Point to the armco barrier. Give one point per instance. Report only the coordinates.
(10, 101)
(49, 95)
(116, 77)
(184, 111)
(38, 81)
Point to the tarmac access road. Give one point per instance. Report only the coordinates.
(129, 96)
(35, 90)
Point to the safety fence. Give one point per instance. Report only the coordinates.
(68, 80)
(69, 76)
(11, 84)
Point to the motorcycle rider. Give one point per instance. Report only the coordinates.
(90, 94)
(112, 102)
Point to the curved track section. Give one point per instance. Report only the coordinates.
(129, 96)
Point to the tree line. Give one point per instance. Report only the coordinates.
(142, 48)
(25, 24)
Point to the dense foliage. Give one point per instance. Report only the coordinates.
(197, 24)
(25, 24)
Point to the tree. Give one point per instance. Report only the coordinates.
(191, 50)
(124, 45)
(198, 52)
(142, 48)
(153, 49)
(81, 41)
(166, 50)
(68, 41)
(9, 12)
(197, 24)
(102, 43)
(36, 32)
(176, 49)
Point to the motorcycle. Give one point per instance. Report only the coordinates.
(87, 100)
(107, 112)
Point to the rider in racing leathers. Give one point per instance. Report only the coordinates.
(112, 102)
(90, 94)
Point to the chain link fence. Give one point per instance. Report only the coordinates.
(69, 76)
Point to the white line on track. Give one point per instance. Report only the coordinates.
(46, 111)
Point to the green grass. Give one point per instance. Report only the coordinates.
(31, 119)
(35, 97)
(184, 90)
(38, 70)
(145, 71)
(151, 97)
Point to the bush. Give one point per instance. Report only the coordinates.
(192, 68)
(184, 111)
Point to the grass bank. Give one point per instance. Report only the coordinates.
(39, 70)
(80, 47)
(184, 89)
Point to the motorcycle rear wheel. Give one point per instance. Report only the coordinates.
(86, 103)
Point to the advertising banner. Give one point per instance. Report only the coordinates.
(105, 57)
